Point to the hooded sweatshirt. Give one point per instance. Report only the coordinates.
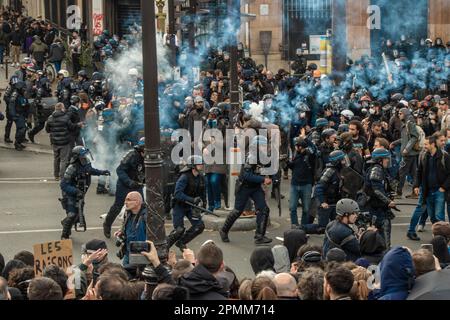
(397, 274)
(262, 259)
(281, 259)
(372, 247)
(202, 285)
(293, 240)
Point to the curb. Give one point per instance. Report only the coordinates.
(28, 148)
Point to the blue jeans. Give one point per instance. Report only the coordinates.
(57, 65)
(304, 193)
(214, 188)
(435, 208)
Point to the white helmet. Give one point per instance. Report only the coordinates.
(133, 72)
(347, 114)
(64, 73)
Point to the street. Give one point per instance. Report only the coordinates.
(31, 213)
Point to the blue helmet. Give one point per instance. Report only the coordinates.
(321, 122)
(140, 145)
(336, 157)
(80, 153)
(380, 153)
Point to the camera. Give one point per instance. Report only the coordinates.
(139, 246)
(120, 240)
(136, 247)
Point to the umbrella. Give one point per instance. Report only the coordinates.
(433, 285)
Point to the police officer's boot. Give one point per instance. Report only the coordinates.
(67, 223)
(260, 234)
(232, 217)
(190, 235)
(101, 189)
(174, 236)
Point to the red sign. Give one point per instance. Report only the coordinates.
(97, 24)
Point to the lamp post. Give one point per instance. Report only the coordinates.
(234, 10)
(152, 157)
(161, 16)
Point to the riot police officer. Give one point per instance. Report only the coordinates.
(75, 117)
(41, 89)
(18, 109)
(7, 97)
(316, 134)
(74, 185)
(65, 88)
(96, 87)
(189, 188)
(131, 177)
(327, 192)
(299, 65)
(83, 81)
(251, 181)
(378, 189)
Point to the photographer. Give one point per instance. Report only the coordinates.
(134, 227)
(339, 234)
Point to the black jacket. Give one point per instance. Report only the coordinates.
(340, 235)
(16, 38)
(443, 173)
(60, 128)
(202, 285)
(302, 167)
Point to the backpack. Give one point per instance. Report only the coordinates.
(418, 146)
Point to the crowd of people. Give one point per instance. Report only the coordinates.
(350, 142)
(295, 270)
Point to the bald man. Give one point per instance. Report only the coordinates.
(134, 227)
(286, 286)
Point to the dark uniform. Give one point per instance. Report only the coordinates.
(377, 188)
(7, 97)
(327, 190)
(18, 109)
(64, 91)
(74, 186)
(250, 180)
(131, 177)
(42, 90)
(189, 188)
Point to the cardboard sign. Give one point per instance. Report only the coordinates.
(55, 252)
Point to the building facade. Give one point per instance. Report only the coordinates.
(292, 24)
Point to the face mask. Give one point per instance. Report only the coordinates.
(302, 115)
(372, 111)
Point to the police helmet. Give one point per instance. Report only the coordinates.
(64, 73)
(140, 145)
(74, 100)
(347, 114)
(346, 207)
(215, 111)
(80, 153)
(336, 157)
(321, 122)
(328, 133)
(342, 128)
(82, 73)
(97, 76)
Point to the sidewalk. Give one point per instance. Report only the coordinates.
(42, 144)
